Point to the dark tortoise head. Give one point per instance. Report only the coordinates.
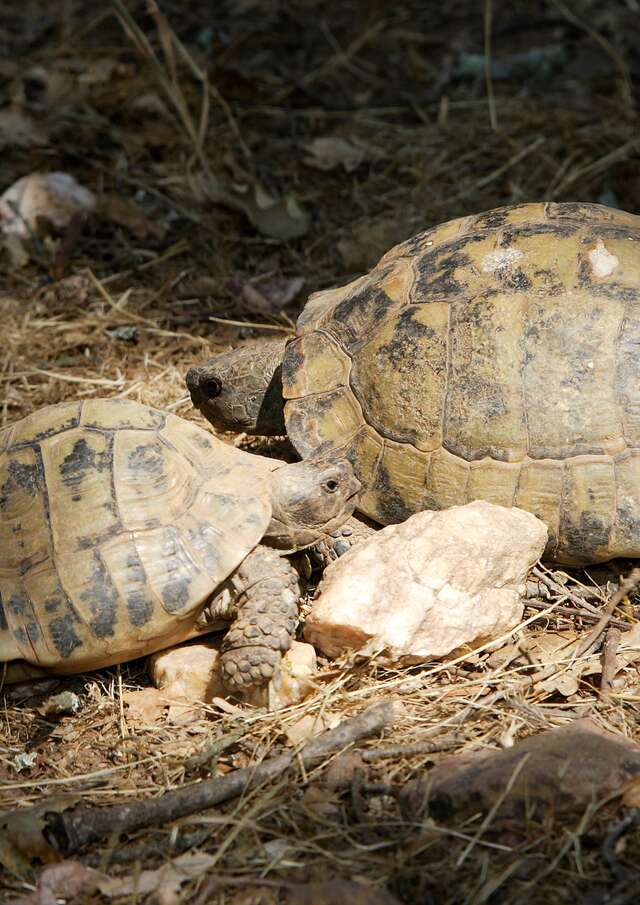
(241, 390)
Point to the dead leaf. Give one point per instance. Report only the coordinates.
(334, 891)
(631, 794)
(125, 212)
(145, 706)
(165, 882)
(540, 773)
(61, 881)
(279, 218)
(305, 728)
(22, 839)
(342, 768)
(629, 649)
(269, 296)
(365, 244)
(18, 130)
(18, 254)
(331, 152)
(54, 198)
(321, 801)
(66, 703)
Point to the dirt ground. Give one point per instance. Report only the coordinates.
(243, 154)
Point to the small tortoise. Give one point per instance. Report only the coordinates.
(494, 357)
(118, 523)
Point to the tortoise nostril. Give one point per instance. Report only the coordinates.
(211, 387)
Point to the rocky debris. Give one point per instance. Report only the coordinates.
(430, 586)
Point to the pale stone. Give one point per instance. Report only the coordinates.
(189, 672)
(434, 584)
(56, 197)
(293, 681)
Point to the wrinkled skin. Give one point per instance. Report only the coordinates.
(241, 390)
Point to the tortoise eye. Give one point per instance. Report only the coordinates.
(211, 387)
(331, 485)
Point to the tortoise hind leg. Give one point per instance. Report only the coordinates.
(268, 610)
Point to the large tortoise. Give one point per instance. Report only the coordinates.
(496, 357)
(118, 523)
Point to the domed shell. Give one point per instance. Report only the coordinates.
(493, 357)
(116, 522)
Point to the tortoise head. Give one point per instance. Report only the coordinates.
(242, 390)
(310, 499)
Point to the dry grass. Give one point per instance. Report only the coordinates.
(236, 99)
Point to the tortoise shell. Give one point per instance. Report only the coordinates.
(117, 521)
(493, 357)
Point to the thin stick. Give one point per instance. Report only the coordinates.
(71, 830)
(565, 592)
(609, 663)
(428, 746)
(569, 611)
(626, 586)
(493, 116)
(258, 326)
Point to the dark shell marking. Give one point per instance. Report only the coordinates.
(494, 357)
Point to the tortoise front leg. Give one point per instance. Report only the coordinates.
(355, 530)
(268, 606)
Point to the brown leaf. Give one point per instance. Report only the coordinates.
(536, 774)
(631, 794)
(61, 881)
(146, 705)
(18, 130)
(331, 152)
(333, 892)
(279, 218)
(305, 728)
(267, 296)
(365, 244)
(125, 212)
(22, 839)
(321, 801)
(165, 882)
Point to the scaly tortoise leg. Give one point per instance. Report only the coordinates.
(269, 591)
(350, 534)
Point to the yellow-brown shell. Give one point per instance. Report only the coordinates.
(494, 357)
(116, 522)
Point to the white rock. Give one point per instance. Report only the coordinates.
(55, 197)
(189, 672)
(292, 683)
(430, 585)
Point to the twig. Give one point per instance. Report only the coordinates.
(609, 663)
(565, 592)
(571, 612)
(626, 586)
(493, 116)
(499, 171)
(72, 830)
(425, 747)
(608, 849)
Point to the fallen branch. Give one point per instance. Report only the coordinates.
(609, 662)
(72, 830)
